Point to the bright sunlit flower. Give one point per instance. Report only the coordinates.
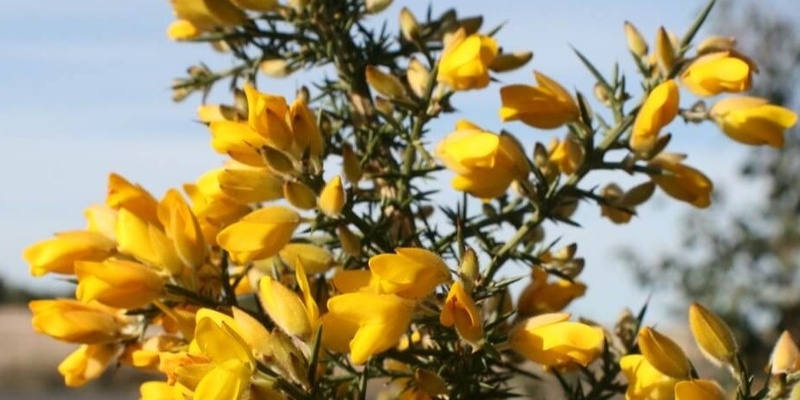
(663, 354)
(59, 254)
(553, 341)
(546, 106)
(658, 110)
(718, 72)
(260, 234)
(645, 382)
(412, 273)
(465, 61)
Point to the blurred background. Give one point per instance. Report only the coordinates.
(85, 91)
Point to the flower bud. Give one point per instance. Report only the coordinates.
(299, 195)
(785, 356)
(275, 68)
(409, 26)
(376, 6)
(276, 160)
(351, 165)
(386, 84)
(284, 307)
(460, 310)
(712, 334)
(716, 43)
(636, 43)
(664, 354)
(469, 268)
(351, 244)
(505, 62)
(418, 77)
(698, 389)
(117, 283)
(665, 53)
(332, 197)
(430, 382)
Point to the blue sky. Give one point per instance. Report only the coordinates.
(85, 92)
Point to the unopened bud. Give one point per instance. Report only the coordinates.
(409, 26)
(384, 106)
(418, 77)
(663, 354)
(712, 335)
(299, 195)
(510, 61)
(275, 68)
(376, 6)
(240, 103)
(332, 198)
(601, 94)
(665, 52)
(572, 268)
(785, 356)
(637, 194)
(636, 43)
(716, 43)
(430, 382)
(351, 244)
(469, 268)
(276, 160)
(566, 253)
(351, 164)
(385, 84)
(303, 95)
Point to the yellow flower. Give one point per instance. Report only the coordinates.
(260, 234)
(58, 255)
(332, 198)
(117, 283)
(88, 362)
(681, 181)
(465, 60)
(286, 308)
(124, 195)
(568, 155)
(266, 115)
(485, 164)
(412, 273)
(202, 16)
(75, 322)
(541, 296)
(225, 360)
(718, 72)
(182, 229)
(663, 354)
(553, 341)
(712, 334)
(315, 259)
(785, 356)
(213, 208)
(306, 134)
(146, 242)
(698, 389)
(237, 140)
(247, 184)
(381, 320)
(157, 390)
(546, 106)
(645, 382)
(751, 120)
(460, 310)
(658, 110)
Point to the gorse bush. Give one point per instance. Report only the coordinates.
(316, 264)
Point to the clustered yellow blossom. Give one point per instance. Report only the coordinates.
(273, 277)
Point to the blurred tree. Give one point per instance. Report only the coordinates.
(747, 268)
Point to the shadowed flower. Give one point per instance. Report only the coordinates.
(118, 283)
(663, 354)
(753, 121)
(681, 181)
(76, 322)
(698, 389)
(88, 362)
